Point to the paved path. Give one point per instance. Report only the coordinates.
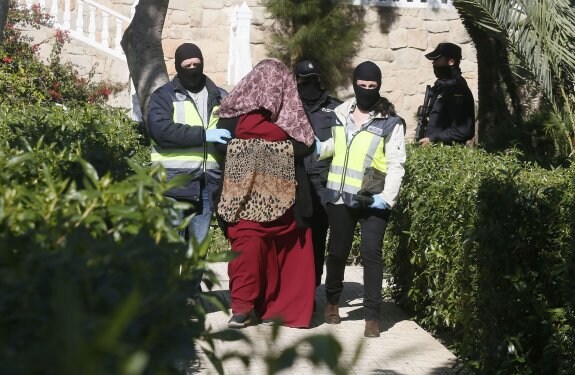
(404, 348)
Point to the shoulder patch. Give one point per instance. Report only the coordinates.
(180, 96)
(374, 130)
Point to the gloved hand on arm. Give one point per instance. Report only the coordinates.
(218, 135)
(379, 203)
(317, 145)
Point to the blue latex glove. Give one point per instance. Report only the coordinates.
(218, 135)
(317, 145)
(379, 203)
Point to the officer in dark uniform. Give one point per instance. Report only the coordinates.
(319, 106)
(451, 109)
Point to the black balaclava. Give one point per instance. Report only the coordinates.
(442, 71)
(367, 98)
(310, 90)
(446, 71)
(192, 79)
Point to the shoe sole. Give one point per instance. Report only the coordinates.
(240, 325)
(333, 319)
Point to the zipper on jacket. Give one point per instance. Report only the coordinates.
(346, 160)
(205, 143)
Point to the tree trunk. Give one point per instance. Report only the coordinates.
(497, 114)
(142, 44)
(4, 5)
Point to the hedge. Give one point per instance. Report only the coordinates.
(481, 248)
(95, 278)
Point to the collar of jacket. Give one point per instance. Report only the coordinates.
(325, 101)
(455, 80)
(214, 93)
(349, 106)
(385, 123)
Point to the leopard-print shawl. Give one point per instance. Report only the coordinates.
(259, 180)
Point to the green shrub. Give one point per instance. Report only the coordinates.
(106, 138)
(89, 264)
(25, 78)
(95, 276)
(482, 246)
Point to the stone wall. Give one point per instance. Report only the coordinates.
(207, 24)
(397, 40)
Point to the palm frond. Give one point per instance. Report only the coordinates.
(541, 33)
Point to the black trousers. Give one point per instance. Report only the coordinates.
(319, 226)
(342, 221)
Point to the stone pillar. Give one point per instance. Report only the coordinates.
(239, 59)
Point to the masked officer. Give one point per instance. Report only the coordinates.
(451, 109)
(319, 106)
(182, 119)
(368, 148)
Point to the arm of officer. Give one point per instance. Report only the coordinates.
(395, 159)
(462, 109)
(300, 150)
(230, 124)
(325, 149)
(164, 131)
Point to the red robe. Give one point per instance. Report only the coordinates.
(273, 273)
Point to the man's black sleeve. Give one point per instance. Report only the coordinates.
(229, 124)
(300, 150)
(461, 108)
(164, 131)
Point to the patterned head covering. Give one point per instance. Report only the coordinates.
(270, 85)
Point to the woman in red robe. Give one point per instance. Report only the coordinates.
(266, 199)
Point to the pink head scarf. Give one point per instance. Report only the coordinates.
(272, 86)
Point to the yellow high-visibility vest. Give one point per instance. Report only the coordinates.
(365, 149)
(194, 159)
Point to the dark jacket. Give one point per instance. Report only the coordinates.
(322, 118)
(303, 208)
(452, 111)
(168, 134)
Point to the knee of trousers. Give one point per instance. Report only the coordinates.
(337, 257)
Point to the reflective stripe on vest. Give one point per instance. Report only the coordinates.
(350, 161)
(191, 158)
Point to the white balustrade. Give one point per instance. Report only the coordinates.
(105, 34)
(80, 17)
(118, 38)
(92, 23)
(434, 4)
(98, 30)
(54, 10)
(133, 9)
(66, 16)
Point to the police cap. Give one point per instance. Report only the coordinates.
(448, 50)
(307, 68)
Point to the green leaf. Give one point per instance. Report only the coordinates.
(90, 172)
(17, 160)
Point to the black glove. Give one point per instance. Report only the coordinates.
(364, 198)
